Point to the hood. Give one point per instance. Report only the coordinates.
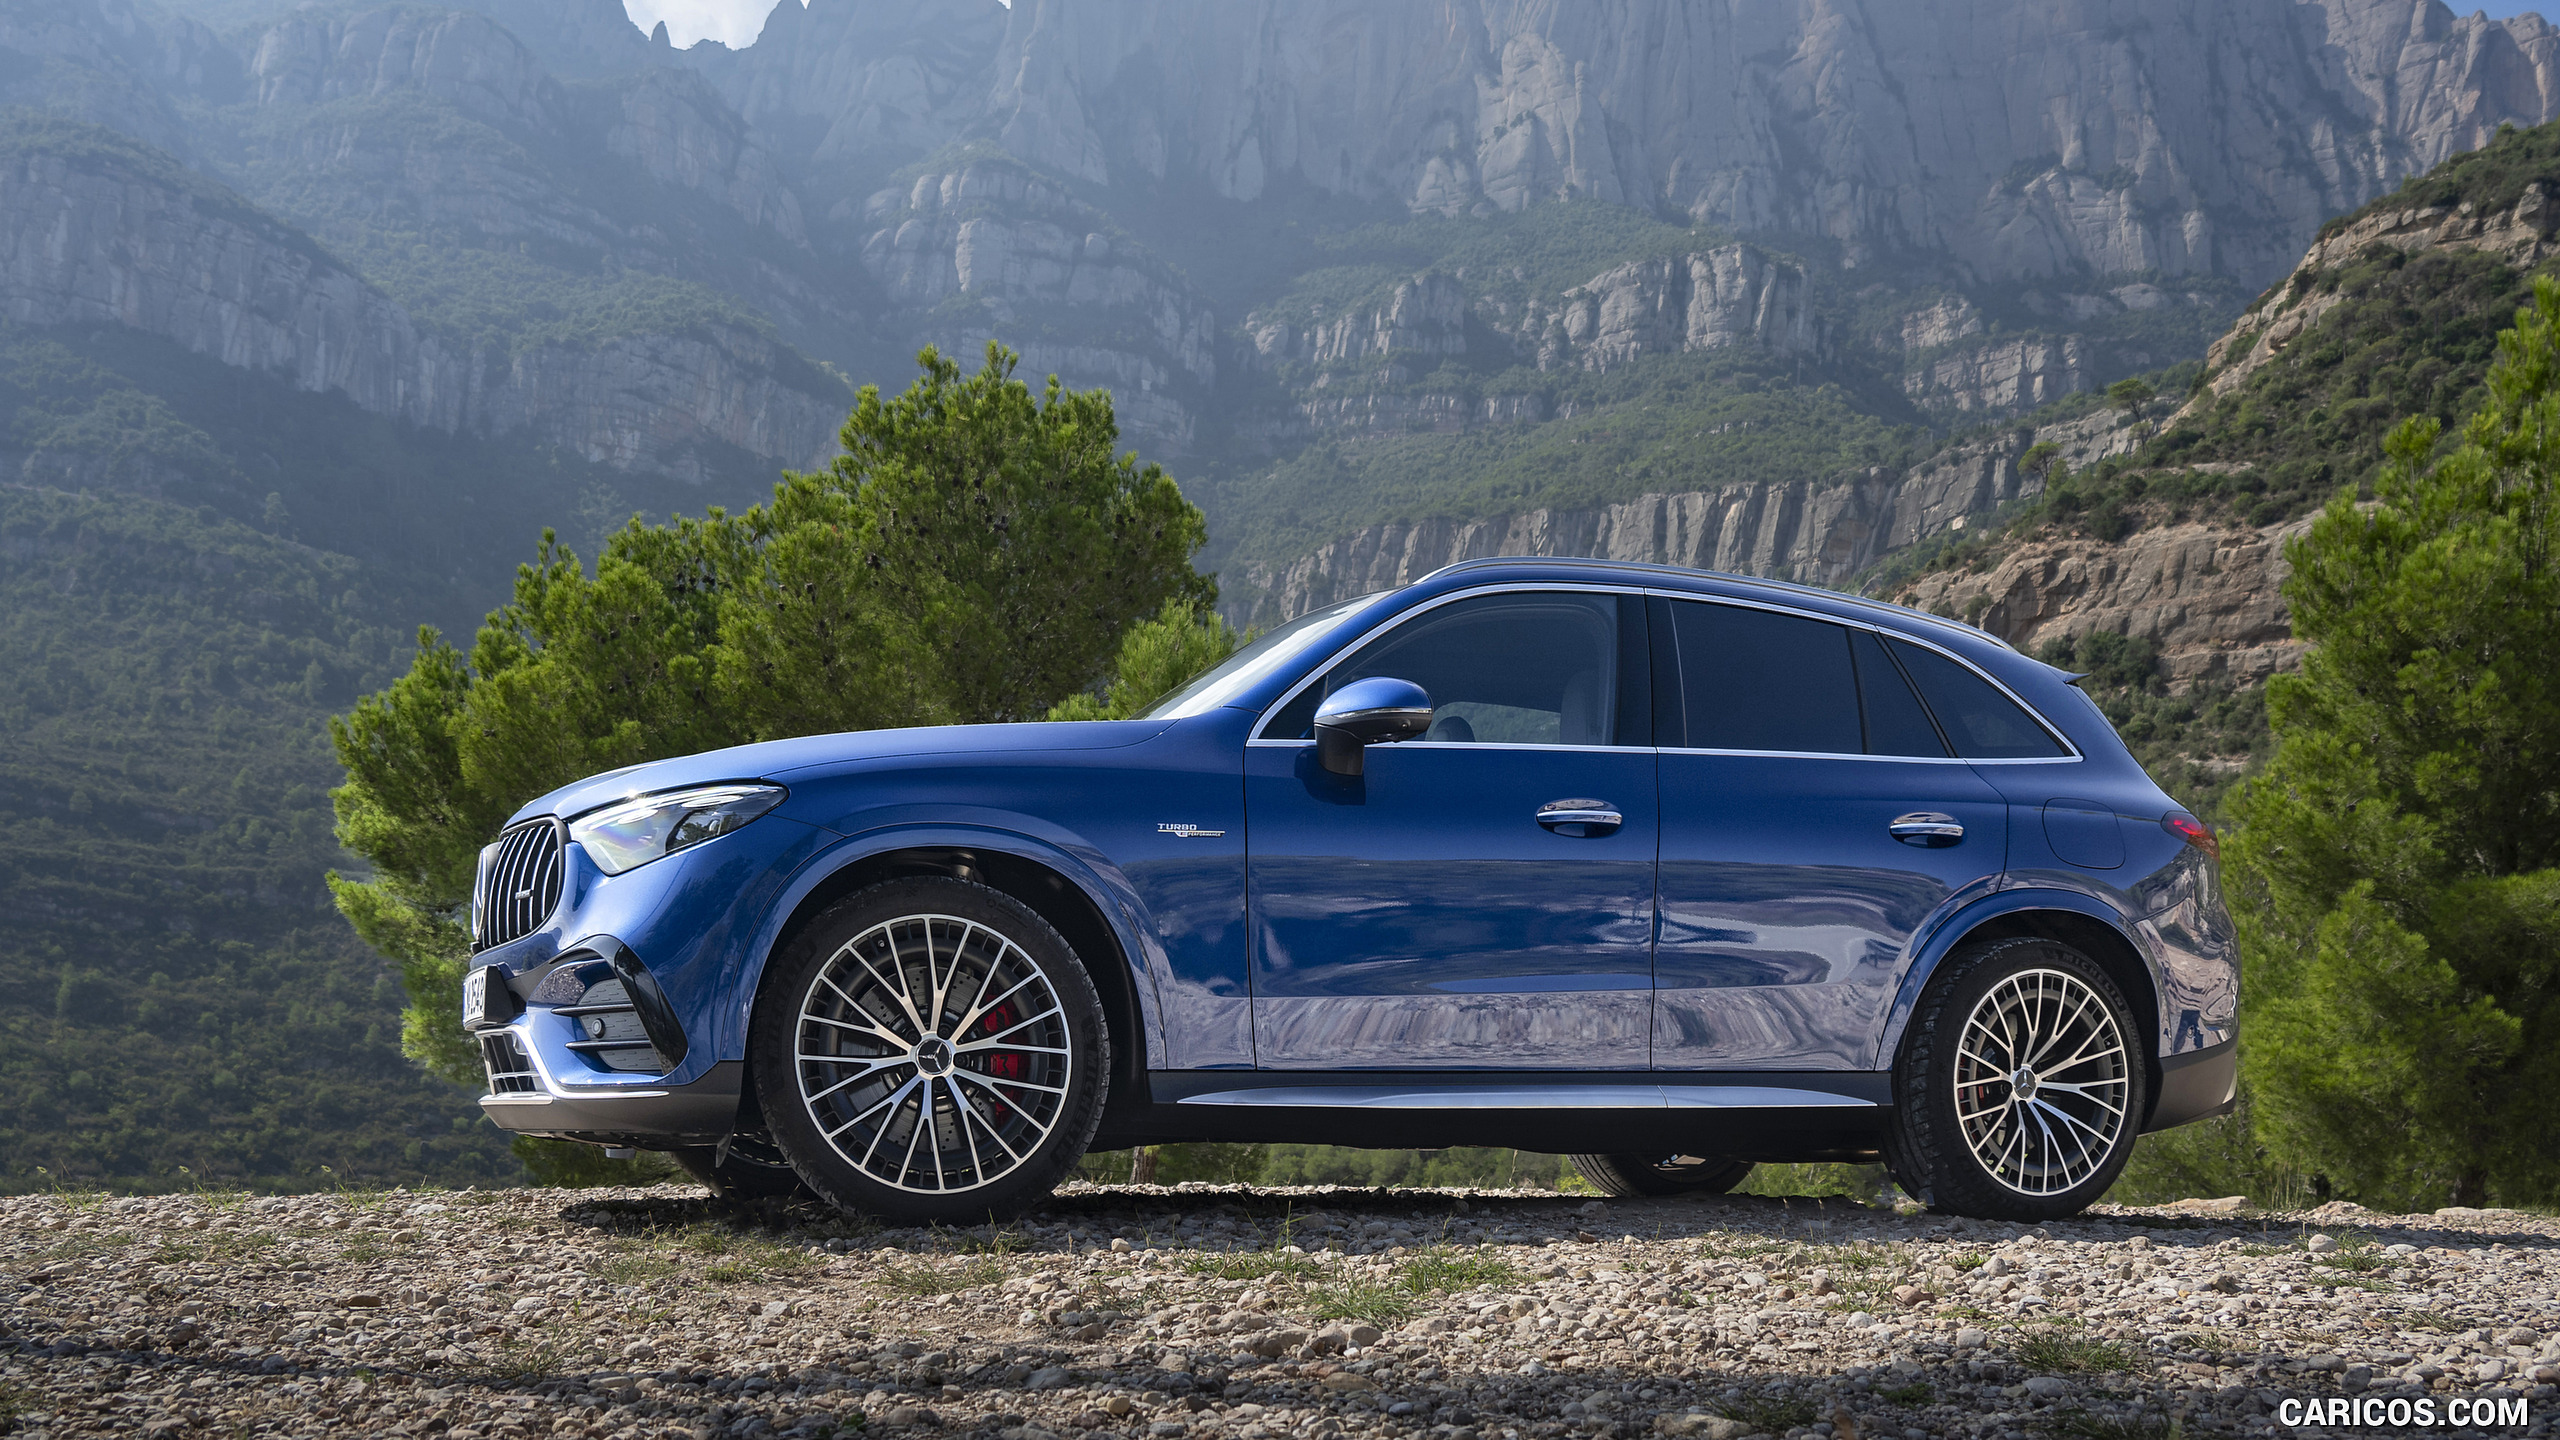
(776, 759)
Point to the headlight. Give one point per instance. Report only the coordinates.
(635, 832)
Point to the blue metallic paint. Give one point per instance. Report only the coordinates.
(1418, 915)
(1793, 934)
(1787, 907)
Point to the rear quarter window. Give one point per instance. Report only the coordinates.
(1980, 722)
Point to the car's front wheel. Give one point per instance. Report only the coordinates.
(2020, 1085)
(1653, 1173)
(930, 1050)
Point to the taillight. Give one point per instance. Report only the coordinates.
(2194, 831)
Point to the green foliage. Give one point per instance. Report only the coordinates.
(2220, 1156)
(1869, 1183)
(975, 555)
(174, 991)
(2067, 1352)
(2397, 867)
(1463, 1165)
(1217, 1164)
(1157, 657)
(2196, 744)
(572, 1166)
(2410, 334)
(2490, 179)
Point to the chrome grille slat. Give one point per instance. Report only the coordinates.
(528, 860)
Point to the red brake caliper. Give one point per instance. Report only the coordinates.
(1001, 1064)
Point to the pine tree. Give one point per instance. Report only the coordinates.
(2394, 869)
(976, 554)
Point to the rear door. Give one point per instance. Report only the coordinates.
(1813, 816)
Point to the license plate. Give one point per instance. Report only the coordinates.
(475, 998)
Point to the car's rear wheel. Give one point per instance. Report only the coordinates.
(1651, 1173)
(2020, 1085)
(930, 1050)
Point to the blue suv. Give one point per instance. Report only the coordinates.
(1671, 871)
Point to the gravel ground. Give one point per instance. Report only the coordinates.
(1224, 1313)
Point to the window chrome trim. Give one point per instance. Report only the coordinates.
(1517, 587)
(2038, 716)
(1481, 745)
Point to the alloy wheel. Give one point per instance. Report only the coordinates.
(933, 1054)
(2041, 1082)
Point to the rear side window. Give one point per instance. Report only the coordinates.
(1759, 680)
(1980, 722)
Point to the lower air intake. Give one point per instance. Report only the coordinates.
(510, 1070)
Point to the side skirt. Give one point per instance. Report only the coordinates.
(1759, 1115)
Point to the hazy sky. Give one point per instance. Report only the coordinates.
(735, 22)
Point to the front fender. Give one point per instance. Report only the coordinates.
(1934, 942)
(1083, 866)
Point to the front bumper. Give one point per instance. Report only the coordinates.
(528, 1099)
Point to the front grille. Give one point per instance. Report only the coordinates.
(519, 883)
(510, 1070)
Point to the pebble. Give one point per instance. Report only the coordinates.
(1161, 1313)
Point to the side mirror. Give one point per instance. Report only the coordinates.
(1374, 711)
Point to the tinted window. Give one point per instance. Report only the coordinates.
(1518, 669)
(1896, 725)
(1982, 723)
(1759, 680)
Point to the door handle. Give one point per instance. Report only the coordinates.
(1582, 819)
(1926, 827)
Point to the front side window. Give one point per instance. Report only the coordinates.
(1528, 668)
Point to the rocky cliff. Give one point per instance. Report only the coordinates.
(1820, 534)
(1733, 295)
(2014, 137)
(95, 230)
(2208, 595)
(990, 249)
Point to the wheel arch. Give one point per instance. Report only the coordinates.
(1050, 884)
(2082, 922)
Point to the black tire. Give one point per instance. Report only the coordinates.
(1006, 1082)
(1628, 1176)
(753, 1170)
(1967, 1136)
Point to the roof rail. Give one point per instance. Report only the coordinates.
(1687, 572)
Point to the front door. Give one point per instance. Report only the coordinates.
(1787, 896)
(1425, 915)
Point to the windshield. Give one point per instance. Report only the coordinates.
(1240, 671)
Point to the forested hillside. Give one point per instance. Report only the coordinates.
(182, 1005)
(2156, 566)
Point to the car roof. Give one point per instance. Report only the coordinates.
(1686, 575)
